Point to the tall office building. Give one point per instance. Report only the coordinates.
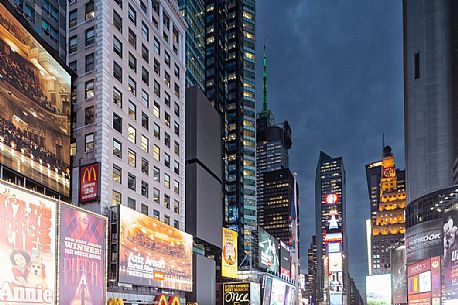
(330, 205)
(193, 12)
(49, 19)
(128, 110)
(311, 272)
(386, 186)
(230, 88)
(431, 96)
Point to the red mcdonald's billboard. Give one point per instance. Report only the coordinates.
(89, 183)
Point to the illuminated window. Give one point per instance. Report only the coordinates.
(132, 158)
(89, 142)
(115, 198)
(156, 153)
(117, 173)
(145, 144)
(117, 148)
(132, 134)
(89, 10)
(167, 181)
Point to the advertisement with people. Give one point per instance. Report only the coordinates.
(229, 254)
(82, 257)
(152, 253)
(398, 272)
(268, 251)
(378, 289)
(450, 254)
(27, 247)
(423, 240)
(35, 108)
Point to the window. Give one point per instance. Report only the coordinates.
(157, 46)
(89, 142)
(117, 174)
(167, 79)
(131, 203)
(157, 110)
(176, 110)
(89, 115)
(176, 71)
(167, 99)
(73, 18)
(145, 53)
(167, 58)
(156, 214)
(132, 38)
(117, 46)
(117, 123)
(145, 98)
(73, 44)
(167, 219)
(156, 174)
(145, 121)
(117, 21)
(132, 62)
(167, 139)
(90, 65)
(145, 166)
(89, 89)
(177, 90)
(131, 182)
(132, 14)
(156, 153)
(29, 12)
(166, 181)
(145, 31)
(117, 71)
(167, 160)
(144, 209)
(145, 144)
(145, 189)
(417, 65)
(176, 187)
(167, 201)
(89, 36)
(176, 148)
(119, 2)
(117, 97)
(132, 158)
(167, 119)
(143, 7)
(145, 76)
(176, 167)
(176, 207)
(89, 10)
(132, 110)
(73, 147)
(132, 86)
(117, 148)
(132, 134)
(157, 67)
(73, 66)
(176, 128)
(176, 224)
(156, 195)
(157, 88)
(115, 198)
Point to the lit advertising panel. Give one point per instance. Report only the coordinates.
(335, 262)
(450, 254)
(236, 294)
(336, 282)
(424, 282)
(27, 247)
(89, 183)
(268, 251)
(34, 108)
(82, 257)
(289, 295)
(229, 254)
(278, 292)
(152, 253)
(334, 247)
(424, 240)
(378, 289)
(398, 272)
(267, 290)
(285, 260)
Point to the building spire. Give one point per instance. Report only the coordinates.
(264, 105)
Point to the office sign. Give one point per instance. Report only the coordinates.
(89, 183)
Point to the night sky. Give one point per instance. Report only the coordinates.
(335, 73)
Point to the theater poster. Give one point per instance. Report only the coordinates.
(82, 257)
(27, 247)
(450, 256)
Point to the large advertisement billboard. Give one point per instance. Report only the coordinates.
(424, 240)
(82, 257)
(450, 254)
(243, 293)
(424, 282)
(285, 260)
(34, 108)
(398, 273)
(378, 289)
(152, 253)
(89, 183)
(27, 247)
(268, 251)
(229, 260)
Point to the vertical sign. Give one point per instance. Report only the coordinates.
(450, 241)
(229, 261)
(89, 183)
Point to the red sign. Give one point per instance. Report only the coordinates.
(89, 183)
(420, 267)
(331, 199)
(420, 299)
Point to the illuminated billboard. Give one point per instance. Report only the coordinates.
(334, 247)
(152, 253)
(277, 296)
(378, 289)
(268, 251)
(27, 247)
(89, 183)
(82, 261)
(450, 254)
(35, 108)
(335, 262)
(424, 282)
(398, 272)
(229, 254)
(424, 240)
(243, 293)
(285, 260)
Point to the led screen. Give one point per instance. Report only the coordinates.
(450, 255)
(34, 108)
(285, 260)
(378, 289)
(399, 278)
(268, 251)
(153, 253)
(278, 292)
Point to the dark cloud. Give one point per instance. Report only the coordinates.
(335, 72)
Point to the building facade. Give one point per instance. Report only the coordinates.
(310, 287)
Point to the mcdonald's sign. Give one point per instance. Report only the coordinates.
(89, 183)
(162, 299)
(115, 301)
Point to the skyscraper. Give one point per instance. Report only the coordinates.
(330, 205)
(311, 272)
(230, 88)
(430, 94)
(49, 19)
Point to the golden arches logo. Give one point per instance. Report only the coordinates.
(115, 301)
(89, 174)
(161, 299)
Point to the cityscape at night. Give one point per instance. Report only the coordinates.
(229, 152)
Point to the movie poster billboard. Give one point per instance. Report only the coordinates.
(27, 247)
(268, 251)
(35, 108)
(450, 255)
(152, 253)
(398, 275)
(229, 254)
(378, 289)
(285, 260)
(82, 261)
(424, 240)
(424, 282)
